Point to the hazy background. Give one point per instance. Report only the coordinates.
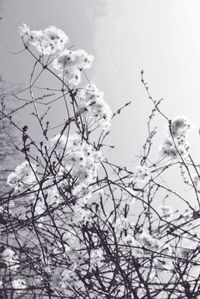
(125, 36)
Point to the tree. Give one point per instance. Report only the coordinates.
(8, 135)
(76, 225)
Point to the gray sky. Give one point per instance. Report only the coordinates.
(125, 36)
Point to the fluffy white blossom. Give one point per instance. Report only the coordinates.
(141, 173)
(140, 176)
(90, 93)
(68, 277)
(196, 180)
(149, 242)
(80, 215)
(176, 144)
(168, 149)
(71, 76)
(47, 41)
(69, 64)
(96, 258)
(179, 126)
(19, 285)
(25, 33)
(95, 110)
(78, 59)
(61, 144)
(23, 177)
(40, 206)
(53, 195)
(10, 258)
(79, 159)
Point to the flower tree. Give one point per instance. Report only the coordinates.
(76, 225)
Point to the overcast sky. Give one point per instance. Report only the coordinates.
(125, 36)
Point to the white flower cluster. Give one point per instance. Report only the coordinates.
(96, 111)
(179, 126)
(52, 40)
(80, 215)
(168, 149)
(78, 260)
(75, 163)
(149, 243)
(140, 177)
(19, 285)
(71, 63)
(176, 144)
(47, 41)
(65, 279)
(23, 177)
(10, 258)
(68, 277)
(96, 258)
(79, 159)
(196, 181)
